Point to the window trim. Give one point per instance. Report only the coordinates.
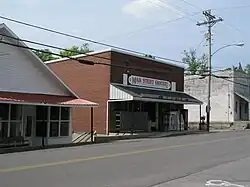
(59, 122)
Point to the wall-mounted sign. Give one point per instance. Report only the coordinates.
(149, 82)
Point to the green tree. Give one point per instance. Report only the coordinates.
(240, 69)
(45, 55)
(247, 69)
(196, 65)
(76, 50)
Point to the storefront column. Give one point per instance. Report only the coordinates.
(157, 116)
(133, 115)
(179, 112)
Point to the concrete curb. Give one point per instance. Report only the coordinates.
(100, 141)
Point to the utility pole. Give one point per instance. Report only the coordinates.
(211, 20)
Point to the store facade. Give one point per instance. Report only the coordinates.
(134, 93)
(35, 105)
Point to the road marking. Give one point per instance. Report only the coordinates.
(222, 183)
(27, 167)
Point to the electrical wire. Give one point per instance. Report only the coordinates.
(152, 26)
(83, 39)
(54, 47)
(83, 61)
(189, 15)
(233, 7)
(198, 46)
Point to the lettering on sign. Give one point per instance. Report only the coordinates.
(149, 82)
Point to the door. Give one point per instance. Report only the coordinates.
(29, 113)
(173, 121)
(3, 130)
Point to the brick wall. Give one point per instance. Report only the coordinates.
(88, 82)
(146, 68)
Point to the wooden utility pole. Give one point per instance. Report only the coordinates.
(211, 20)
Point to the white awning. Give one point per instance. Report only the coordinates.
(128, 93)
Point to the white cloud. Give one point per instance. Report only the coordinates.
(147, 8)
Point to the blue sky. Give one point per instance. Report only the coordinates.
(131, 24)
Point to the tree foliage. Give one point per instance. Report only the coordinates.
(247, 69)
(76, 50)
(46, 54)
(196, 65)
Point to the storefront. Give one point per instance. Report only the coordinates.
(147, 104)
(134, 92)
(35, 105)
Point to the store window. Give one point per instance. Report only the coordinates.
(28, 128)
(10, 120)
(59, 121)
(54, 129)
(41, 121)
(4, 111)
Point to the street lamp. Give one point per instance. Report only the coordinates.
(208, 108)
(225, 46)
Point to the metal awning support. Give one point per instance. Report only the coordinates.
(92, 123)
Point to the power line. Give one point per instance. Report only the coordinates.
(198, 46)
(190, 4)
(82, 61)
(83, 39)
(230, 25)
(59, 48)
(155, 25)
(181, 10)
(233, 7)
(53, 47)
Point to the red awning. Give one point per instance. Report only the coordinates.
(41, 99)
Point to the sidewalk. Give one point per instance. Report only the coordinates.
(114, 137)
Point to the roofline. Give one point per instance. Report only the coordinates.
(112, 50)
(2, 25)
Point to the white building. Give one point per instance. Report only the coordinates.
(230, 96)
(35, 105)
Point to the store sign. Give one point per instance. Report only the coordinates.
(149, 82)
(167, 98)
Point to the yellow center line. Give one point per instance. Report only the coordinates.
(27, 167)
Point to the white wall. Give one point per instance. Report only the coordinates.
(222, 96)
(19, 73)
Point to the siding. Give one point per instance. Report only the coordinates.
(20, 73)
(115, 93)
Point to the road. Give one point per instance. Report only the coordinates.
(191, 160)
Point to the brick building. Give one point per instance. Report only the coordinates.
(133, 92)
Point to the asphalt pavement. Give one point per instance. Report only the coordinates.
(216, 159)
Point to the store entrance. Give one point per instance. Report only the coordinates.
(150, 108)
